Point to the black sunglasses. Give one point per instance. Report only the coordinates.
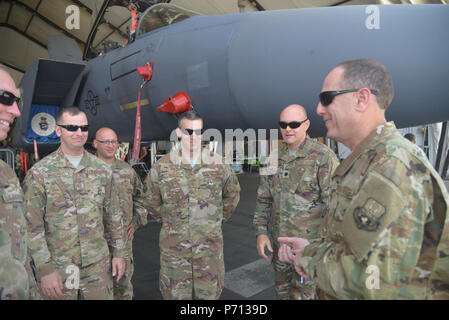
(7, 98)
(293, 124)
(111, 142)
(73, 128)
(189, 132)
(326, 97)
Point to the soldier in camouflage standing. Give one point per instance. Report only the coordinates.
(131, 203)
(13, 233)
(387, 232)
(297, 192)
(191, 192)
(73, 216)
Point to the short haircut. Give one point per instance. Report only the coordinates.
(72, 110)
(189, 115)
(410, 136)
(369, 73)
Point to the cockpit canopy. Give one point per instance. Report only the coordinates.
(161, 15)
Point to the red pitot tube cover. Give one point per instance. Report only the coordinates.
(179, 103)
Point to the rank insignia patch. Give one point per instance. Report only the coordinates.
(369, 216)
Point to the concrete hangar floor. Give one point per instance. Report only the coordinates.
(248, 277)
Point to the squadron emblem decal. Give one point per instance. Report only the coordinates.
(369, 216)
(43, 124)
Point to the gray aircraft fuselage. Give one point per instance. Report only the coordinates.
(241, 70)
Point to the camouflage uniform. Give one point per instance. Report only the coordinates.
(73, 217)
(388, 220)
(297, 191)
(191, 204)
(131, 204)
(13, 237)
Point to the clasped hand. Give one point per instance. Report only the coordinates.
(291, 252)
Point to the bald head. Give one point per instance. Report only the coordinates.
(294, 111)
(105, 132)
(106, 144)
(295, 117)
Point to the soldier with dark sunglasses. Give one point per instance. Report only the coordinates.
(77, 237)
(386, 235)
(192, 192)
(293, 198)
(13, 232)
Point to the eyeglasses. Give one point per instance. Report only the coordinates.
(293, 124)
(189, 132)
(326, 97)
(7, 98)
(73, 128)
(111, 142)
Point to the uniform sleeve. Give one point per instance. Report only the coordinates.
(139, 211)
(35, 201)
(113, 221)
(231, 192)
(264, 202)
(13, 276)
(325, 171)
(152, 194)
(382, 231)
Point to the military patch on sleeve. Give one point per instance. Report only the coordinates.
(369, 216)
(377, 204)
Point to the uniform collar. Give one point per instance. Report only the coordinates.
(301, 152)
(63, 162)
(176, 158)
(376, 137)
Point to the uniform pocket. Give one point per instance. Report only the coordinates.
(306, 180)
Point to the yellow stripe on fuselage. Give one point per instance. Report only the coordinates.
(133, 105)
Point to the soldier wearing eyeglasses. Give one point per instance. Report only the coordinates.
(13, 232)
(293, 198)
(192, 192)
(130, 191)
(387, 232)
(73, 216)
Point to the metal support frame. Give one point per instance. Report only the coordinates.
(9, 157)
(257, 5)
(32, 16)
(9, 26)
(94, 29)
(445, 167)
(441, 145)
(339, 3)
(109, 34)
(82, 5)
(9, 11)
(46, 20)
(12, 67)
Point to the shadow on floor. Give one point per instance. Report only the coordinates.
(239, 251)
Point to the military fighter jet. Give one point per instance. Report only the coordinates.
(240, 70)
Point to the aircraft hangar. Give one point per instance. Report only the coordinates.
(74, 32)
